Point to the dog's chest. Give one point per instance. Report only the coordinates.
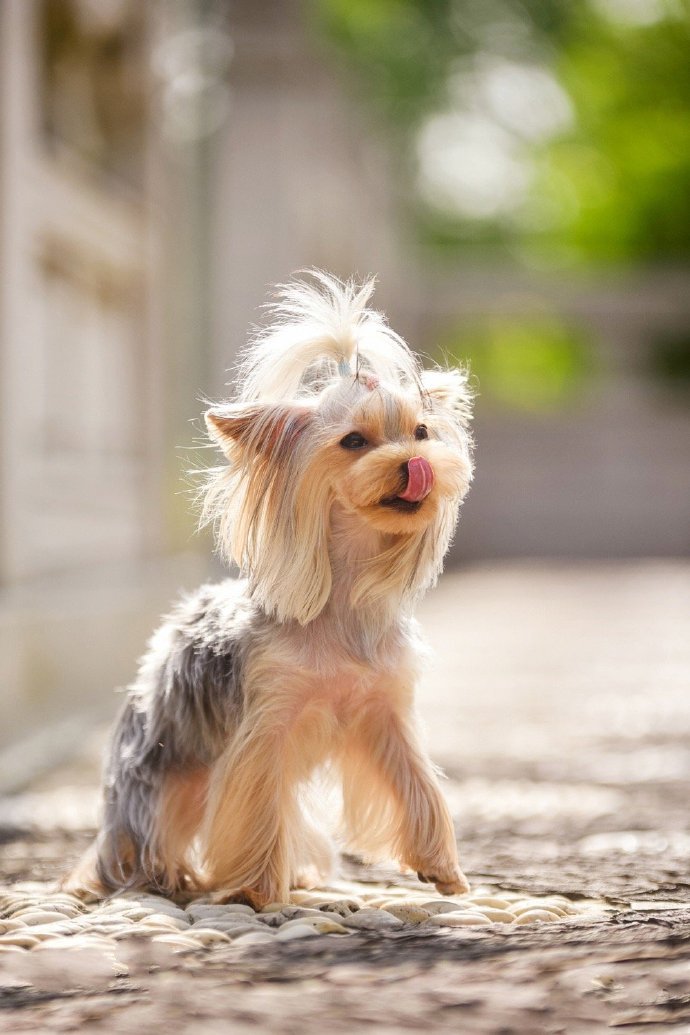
(319, 674)
(341, 698)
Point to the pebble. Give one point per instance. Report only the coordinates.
(239, 929)
(139, 931)
(326, 903)
(160, 905)
(458, 920)
(554, 907)
(271, 919)
(147, 898)
(273, 907)
(76, 942)
(24, 941)
(202, 912)
(254, 938)
(210, 936)
(53, 931)
(440, 905)
(104, 919)
(343, 906)
(178, 942)
(133, 913)
(225, 925)
(238, 907)
(337, 918)
(322, 925)
(10, 925)
(490, 900)
(48, 907)
(294, 912)
(89, 925)
(17, 907)
(372, 920)
(168, 920)
(288, 934)
(497, 916)
(531, 915)
(106, 931)
(407, 912)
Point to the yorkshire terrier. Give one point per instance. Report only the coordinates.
(345, 464)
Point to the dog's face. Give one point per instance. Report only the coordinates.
(309, 441)
(394, 457)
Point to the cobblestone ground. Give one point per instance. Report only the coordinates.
(558, 705)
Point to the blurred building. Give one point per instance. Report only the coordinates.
(90, 544)
(161, 164)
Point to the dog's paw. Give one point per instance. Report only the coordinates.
(242, 897)
(453, 882)
(86, 891)
(308, 877)
(458, 886)
(83, 882)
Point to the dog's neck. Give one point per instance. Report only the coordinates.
(361, 628)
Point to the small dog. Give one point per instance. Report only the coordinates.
(345, 466)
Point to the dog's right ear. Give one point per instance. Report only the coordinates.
(268, 428)
(450, 391)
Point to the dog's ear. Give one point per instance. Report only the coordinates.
(449, 390)
(271, 504)
(254, 427)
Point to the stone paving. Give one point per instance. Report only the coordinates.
(34, 916)
(558, 705)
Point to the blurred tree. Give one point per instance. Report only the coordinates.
(556, 130)
(536, 361)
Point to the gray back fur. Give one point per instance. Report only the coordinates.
(179, 713)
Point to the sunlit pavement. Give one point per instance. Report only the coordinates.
(557, 703)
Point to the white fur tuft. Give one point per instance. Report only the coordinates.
(321, 330)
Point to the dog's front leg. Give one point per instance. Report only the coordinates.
(392, 791)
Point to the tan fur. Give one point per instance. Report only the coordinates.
(83, 880)
(319, 650)
(257, 838)
(181, 811)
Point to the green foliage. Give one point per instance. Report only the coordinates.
(608, 182)
(535, 363)
(400, 48)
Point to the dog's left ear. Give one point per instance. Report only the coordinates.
(449, 390)
(257, 427)
(272, 506)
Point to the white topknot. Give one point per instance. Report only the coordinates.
(321, 330)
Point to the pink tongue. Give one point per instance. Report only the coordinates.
(420, 478)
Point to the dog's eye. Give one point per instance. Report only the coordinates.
(421, 431)
(353, 441)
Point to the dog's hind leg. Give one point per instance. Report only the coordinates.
(181, 810)
(83, 881)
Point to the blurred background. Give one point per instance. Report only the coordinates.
(517, 173)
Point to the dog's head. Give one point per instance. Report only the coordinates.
(334, 414)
